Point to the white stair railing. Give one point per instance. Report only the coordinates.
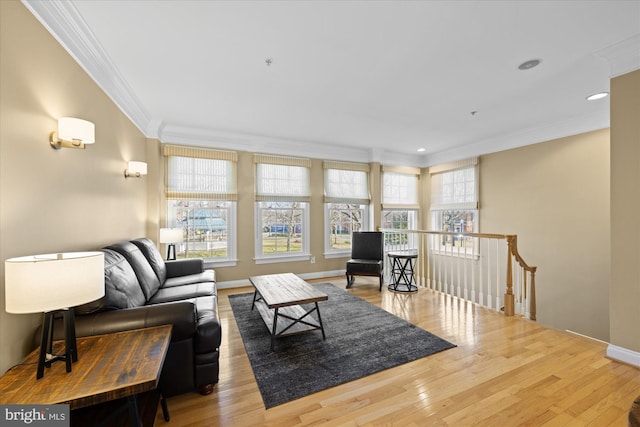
(476, 267)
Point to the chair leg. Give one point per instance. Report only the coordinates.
(380, 283)
(349, 281)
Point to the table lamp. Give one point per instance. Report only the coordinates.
(171, 236)
(54, 283)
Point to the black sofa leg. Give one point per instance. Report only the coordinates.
(206, 389)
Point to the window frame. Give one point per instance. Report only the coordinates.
(231, 258)
(345, 183)
(341, 253)
(449, 247)
(413, 218)
(263, 196)
(229, 195)
(261, 258)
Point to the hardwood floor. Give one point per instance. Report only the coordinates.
(503, 372)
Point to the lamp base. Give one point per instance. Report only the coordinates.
(70, 355)
(171, 252)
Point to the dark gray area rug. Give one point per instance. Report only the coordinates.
(361, 339)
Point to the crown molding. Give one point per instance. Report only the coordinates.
(176, 134)
(623, 57)
(543, 133)
(66, 25)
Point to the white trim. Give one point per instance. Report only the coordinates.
(546, 132)
(623, 57)
(66, 25)
(245, 282)
(255, 143)
(341, 254)
(260, 258)
(281, 258)
(624, 355)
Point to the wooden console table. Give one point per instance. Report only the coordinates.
(278, 298)
(109, 367)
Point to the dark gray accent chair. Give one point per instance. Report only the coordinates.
(367, 256)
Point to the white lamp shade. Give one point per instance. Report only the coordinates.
(41, 283)
(70, 129)
(171, 235)
(137, 168)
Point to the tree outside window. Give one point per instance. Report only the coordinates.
(205, 224)
(281, 225)
(344, 219)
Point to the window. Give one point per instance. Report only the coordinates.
(346, 197)
(206, 224)
(454, 201)
(400, 205)
(282, 208)
(405, 219)
(201, 199)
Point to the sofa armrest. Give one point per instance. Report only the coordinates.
(184, 267)
(180, 314)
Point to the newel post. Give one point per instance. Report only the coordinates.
(509, 299)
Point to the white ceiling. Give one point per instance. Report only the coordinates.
(353, 80)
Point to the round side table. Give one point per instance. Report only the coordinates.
(402, 279)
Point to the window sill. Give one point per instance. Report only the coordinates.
(341, 254)
(284, 258)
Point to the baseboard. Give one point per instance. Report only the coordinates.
(245, 282)
(624, 355)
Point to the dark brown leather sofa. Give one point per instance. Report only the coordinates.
(142, 290)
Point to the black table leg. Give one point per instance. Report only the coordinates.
(134, 414)
(165, 409)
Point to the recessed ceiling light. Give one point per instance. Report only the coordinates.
(599, 95)
(527, 65)
(420, 150)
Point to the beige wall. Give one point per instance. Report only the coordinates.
(64, 200)
(625, 211)
(555, 197)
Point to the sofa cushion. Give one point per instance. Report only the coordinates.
(147, 278)
(177, 293)
(121, 287)
(152, 254)
(364, 266)
(184, 267)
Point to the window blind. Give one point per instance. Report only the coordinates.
(346, 183)
(200, 174)
(454, 186)
(400, 188)
(282, 179)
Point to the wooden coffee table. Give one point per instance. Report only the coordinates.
(109, 367)
(279, 297)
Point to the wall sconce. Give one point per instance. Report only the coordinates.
(135, 169)
(72, 133)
